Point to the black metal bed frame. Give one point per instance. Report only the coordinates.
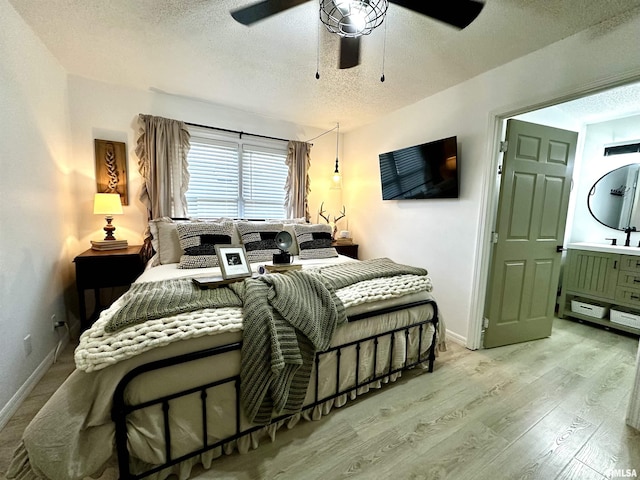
(121, 409)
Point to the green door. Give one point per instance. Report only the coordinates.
(532, 212)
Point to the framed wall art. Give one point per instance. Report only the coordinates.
(111, 168)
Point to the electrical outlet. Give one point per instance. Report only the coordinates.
(56, 324)
(27, 345)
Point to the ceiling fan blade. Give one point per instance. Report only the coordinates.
(458, 13)
(349, 52)
(261, 10)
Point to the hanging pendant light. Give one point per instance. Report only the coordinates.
(352, 18)
(337, 176)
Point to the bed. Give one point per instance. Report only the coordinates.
(160, 396)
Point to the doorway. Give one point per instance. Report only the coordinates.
(608, 105)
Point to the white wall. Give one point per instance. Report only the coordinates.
(448, 237)
(36, 224)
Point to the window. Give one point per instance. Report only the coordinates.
(235, 178)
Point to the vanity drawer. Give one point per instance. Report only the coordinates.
(630, 263)
(628, 279)
(628, 295)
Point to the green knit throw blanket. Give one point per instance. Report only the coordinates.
(153, 300)
(344, 274)
(287, 318)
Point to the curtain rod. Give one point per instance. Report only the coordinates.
(240, 133)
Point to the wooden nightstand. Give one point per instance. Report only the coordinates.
(348, 249)
(101, 269)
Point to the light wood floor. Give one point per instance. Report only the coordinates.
(549, 409)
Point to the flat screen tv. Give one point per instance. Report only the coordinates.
(429, 170)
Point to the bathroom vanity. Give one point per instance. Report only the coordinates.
(601, 284)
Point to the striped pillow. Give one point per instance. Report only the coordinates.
(198, 240)
(314, 241)
(258, 239)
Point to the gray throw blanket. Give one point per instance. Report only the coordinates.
(153, 300)
(344, 274)
(287, 318)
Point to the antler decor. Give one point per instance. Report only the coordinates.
(322, 210)
(343, 214)
(327, 216)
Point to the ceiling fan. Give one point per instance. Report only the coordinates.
(350, 19)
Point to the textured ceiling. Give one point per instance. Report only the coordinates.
(614, 103)
(194, 48)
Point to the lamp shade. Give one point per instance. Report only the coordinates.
(107, 204)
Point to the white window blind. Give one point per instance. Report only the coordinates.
(235, 178)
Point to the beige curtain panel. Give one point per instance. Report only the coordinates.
(162, 148)
(298, 185)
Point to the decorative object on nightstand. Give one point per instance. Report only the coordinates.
(327, 217)
(103, 269)
(108, 204)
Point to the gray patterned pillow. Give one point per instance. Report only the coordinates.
(314, 241)
(258, 239)
(198, 240)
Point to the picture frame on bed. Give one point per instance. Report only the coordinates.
(233, 261)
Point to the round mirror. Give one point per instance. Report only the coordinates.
(613, 200)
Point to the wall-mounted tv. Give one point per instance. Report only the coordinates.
(429, 170)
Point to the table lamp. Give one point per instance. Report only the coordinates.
(107, 204)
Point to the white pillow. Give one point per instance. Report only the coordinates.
(165, 240)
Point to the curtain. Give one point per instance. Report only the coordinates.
(162, 149)
(298, 185)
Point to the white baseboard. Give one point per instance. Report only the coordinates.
(459, 339)
(23, 392)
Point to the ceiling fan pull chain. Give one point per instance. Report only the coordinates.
(318, 50)
(384, 47)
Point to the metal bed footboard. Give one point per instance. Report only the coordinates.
(121, 409)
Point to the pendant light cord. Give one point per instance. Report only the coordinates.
(337, 146)
(324, 133)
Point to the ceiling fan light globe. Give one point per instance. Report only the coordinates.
(343, 5)
(351, 29)
(352, 18)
